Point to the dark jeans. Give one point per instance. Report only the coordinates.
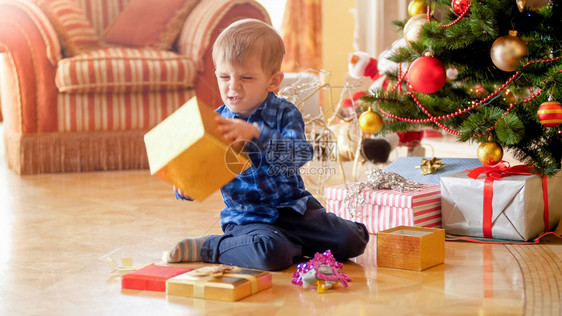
(293, 236)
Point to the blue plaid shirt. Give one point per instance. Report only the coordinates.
(273, 180)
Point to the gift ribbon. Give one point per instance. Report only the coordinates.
(209, 273)
(503, 169)
(126, 264)
(545, 199)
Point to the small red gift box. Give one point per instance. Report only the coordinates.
(385, 209)
(151, 278)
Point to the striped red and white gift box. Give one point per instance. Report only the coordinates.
(385, 209)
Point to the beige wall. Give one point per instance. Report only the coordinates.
(338, 35)
(338, 25)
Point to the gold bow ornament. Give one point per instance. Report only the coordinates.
(429, 166)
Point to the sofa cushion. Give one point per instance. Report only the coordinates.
(101, 13)
(124, 70)
(149, 23)
(75, 31)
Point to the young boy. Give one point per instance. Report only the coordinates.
(270, 220)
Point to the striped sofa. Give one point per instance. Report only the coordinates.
(75, 100)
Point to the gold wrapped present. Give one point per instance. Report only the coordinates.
(187, 151)
(411, 248)
(218, 283)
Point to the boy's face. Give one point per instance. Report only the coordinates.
(243, 88)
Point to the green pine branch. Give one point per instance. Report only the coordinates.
(466, 47)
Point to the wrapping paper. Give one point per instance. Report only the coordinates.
(151, 278)
(385, 209)
(187, 151)
(411, 248)
(517, 205)
(406, 167)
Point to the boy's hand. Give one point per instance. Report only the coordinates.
(180, 195)
(234, 130)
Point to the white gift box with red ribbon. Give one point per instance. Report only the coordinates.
(385, 209)
(501, 202)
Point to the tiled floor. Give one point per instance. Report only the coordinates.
(57, 231)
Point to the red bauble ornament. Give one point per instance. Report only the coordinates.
(550, 113)
(427, 75)
(459, 6)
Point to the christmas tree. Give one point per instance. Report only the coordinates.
(465, 71)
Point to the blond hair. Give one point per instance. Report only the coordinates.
(248, 38)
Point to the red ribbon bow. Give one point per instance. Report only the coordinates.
(503, 169)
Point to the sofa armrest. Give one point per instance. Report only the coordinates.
(201, 29)
(10, 8)
(31, 51)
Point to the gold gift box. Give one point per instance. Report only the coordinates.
(187, 151)
(230, 286)
(411, 248)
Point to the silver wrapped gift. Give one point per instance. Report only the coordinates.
(517, 205)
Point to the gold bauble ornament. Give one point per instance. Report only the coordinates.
(537, 4)
(413, 28)
(490, 153)
(520, 5)
(531, 4)
(370, 122)
(507, 51)
(417, 7)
